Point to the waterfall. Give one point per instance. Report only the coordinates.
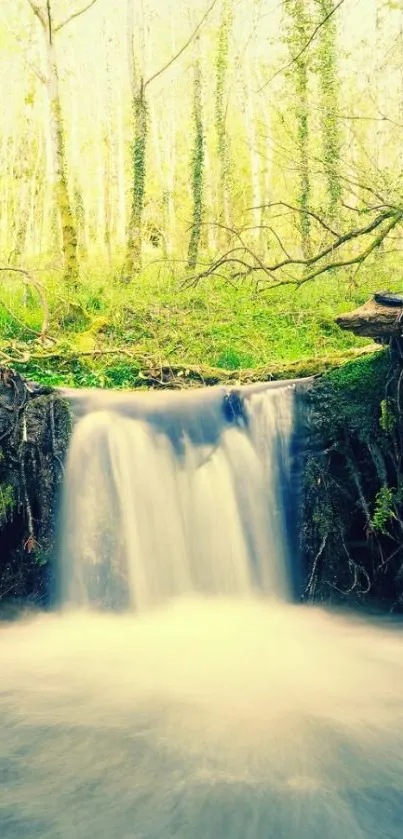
(169, 495)
(181, 693)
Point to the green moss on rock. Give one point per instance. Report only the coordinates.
(353, 516)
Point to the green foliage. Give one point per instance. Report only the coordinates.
(7, 502)
(230, 359)
(139, 149)
(42, 557)
(158, 321)
(387, 419)
(384, 509)
(139, 153)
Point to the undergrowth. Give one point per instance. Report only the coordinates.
(217, 324)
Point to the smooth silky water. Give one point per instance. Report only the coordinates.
(178, 691)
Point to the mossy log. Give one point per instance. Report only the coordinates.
(34, 434)
(375, 319)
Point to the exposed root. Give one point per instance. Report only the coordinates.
(35, 428)
(353, 514)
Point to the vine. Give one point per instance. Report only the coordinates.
(298, 34)
(197, 167)
(134, 247)
(328, 87)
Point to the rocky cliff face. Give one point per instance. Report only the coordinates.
(34, 434)
(352, 532)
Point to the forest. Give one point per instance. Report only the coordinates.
(195, 188)
(201, 419)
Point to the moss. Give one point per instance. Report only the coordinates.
(388, 418)
(350, 398)
(384, 509)
(7, 502)
(353, 511)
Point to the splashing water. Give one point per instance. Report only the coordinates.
(221, 712)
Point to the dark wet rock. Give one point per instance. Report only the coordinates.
(34, 433)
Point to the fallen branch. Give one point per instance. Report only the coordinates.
(177, 375)
(248, 261)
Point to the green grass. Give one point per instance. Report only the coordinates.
(215, 324)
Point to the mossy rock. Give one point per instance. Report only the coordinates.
(36, 429)
(350, 397)
(353, 512)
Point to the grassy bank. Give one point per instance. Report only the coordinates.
(112, 335)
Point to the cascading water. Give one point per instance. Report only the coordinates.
(180, 694)
(171, 498)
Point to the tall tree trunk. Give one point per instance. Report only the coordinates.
(68, 228)
(133, 260)
(78, 205)
(197, 167)
(251, 134)
(35, 211)
(224, 190)
(107, 196)
(329, 88)
(135, 235)
(44, 16)
(121, 173)
(157, 143)
(299, 32)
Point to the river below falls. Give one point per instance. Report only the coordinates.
(206, 719)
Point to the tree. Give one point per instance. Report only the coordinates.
(197, 164)
(299, 24)
(140, 86)
(50, 79)
(224, 193)
(329, 102)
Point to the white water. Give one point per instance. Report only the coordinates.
(205, 719)
(207, 716)
(150, 515)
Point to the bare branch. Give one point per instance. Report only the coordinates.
(310, 213)
(305, 47)
(38, 12)
(277, 237)
(30, 64)
(246, 248)
(50, 22)
(73, 16)
(184, 47)
(358, 260)
(250, 262)
(342, 240)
